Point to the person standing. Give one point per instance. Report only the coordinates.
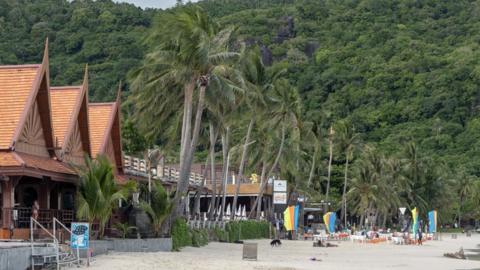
(420, 235)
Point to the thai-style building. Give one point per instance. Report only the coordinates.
(45, 132)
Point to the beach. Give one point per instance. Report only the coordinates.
(296, 255)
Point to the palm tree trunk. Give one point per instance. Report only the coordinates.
(275, 163)
(226, 157)
(242, 166)
(213, 139)
(344, 196)
(258, 207)
(329, 170)
(199, 193)
(312, 168)
(190, 146)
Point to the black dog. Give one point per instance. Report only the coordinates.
(275, 243)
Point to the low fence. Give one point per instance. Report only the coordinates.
(206, 224)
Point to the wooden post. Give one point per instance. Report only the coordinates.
(7, 198)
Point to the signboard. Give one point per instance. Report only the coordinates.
(280, 198)
(80, 236)
(280, 186)
(402, 210)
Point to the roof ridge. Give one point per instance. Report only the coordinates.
(64, 87)
(101, 103)
(21, 66)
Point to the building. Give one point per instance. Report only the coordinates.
(44, 132)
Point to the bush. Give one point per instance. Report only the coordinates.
(244, 230)
(181, 236)
(199, 237)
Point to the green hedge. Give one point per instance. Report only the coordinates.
(199, 237)
(244, 230)
(181, 236)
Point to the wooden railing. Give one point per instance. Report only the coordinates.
(19, 217)
(137, 166)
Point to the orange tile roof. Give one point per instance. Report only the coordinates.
(16, 83)
(8, 159)
(46, 164)
(98, 117)
(63, 101)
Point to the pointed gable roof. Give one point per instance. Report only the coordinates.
(16, 86)
(104, 127)
(39, 94)
(64, 101)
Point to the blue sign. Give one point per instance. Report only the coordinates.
(79, 238)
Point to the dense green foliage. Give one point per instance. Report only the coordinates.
(104, 34)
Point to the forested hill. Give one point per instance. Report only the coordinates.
(103, 34)
(399, 70)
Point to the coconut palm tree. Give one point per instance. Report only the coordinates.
(464, 188)
(158, 208)
(347, 142)
(98, 193)
(284, 113)
(331, 134)
(189, 52)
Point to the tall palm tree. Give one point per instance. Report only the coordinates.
(464, 188)
(348, 141)
(284, 114)
(189, 51)
(98, 193)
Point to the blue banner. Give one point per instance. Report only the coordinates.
(432, 221)
(80, 236)
(331, 222)
(295, 215)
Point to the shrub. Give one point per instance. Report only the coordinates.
(181, 236)
(199, 237)
(247, 229)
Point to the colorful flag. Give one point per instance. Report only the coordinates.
(414, 221)
(329, 219)
(432, 221)
(290, 218)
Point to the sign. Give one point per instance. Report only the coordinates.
(280, 198)
(280, 186)
(80, 236)
(402, 210)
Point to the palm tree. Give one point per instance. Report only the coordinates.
(190, 51)
(464, 188)
(348, 141)
(284, 114)
(158, 208)
(329, 173)
(98, 193)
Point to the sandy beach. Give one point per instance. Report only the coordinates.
(295, 255)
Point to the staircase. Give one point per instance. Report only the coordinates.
(47, 251)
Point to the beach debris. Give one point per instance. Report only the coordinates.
(457, 255)
(315, 259)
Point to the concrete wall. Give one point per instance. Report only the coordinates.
(100, 247)
(19, 258)
(142, 245)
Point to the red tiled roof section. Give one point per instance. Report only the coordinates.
(99, 117)
(46, 164)
(63, 101)
(16, 83)
(7, 159)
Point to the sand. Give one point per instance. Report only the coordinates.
(295, 255)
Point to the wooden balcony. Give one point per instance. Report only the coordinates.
(19, 217)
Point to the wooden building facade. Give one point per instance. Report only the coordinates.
(44, 132)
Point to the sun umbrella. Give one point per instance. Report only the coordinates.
(244, 212)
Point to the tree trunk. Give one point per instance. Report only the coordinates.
(329, 170)
(199, 193)
(188, 151)
(344, 196)
(242, 166)
(257, 207)
(312, 168)
(275, 163)
(226, 160)
(213, 140)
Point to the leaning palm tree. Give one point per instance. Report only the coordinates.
(98, 193)
(158, 208)
(189, 51)
(348, 141)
